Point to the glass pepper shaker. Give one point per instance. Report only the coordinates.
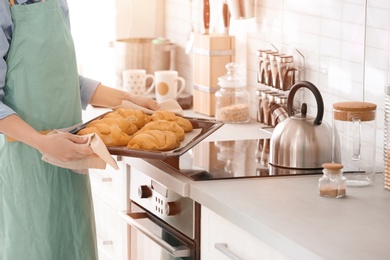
(332, 184)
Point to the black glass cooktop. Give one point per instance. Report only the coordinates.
(230, 159)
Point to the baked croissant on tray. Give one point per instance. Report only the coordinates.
(156, 140)
(162, 131)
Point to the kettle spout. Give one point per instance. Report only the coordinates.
(278, 112)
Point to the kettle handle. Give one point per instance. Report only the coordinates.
(317, 95)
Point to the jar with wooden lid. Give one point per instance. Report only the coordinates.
(354, 136)
(332, 184)
(232, 99)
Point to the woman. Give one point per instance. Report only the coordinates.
(45, 211)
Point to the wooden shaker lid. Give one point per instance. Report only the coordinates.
(346, 111)
(332, 166)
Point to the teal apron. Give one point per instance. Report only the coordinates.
(46, 212)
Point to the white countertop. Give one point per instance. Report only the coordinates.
(288, 213)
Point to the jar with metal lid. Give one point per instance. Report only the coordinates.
(286, 71)
(267, 67)
(259, 100)
(332, 184)
(261, 72)
(232, 99)
(354, 136)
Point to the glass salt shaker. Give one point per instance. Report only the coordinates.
(332, 184)
(232, 99)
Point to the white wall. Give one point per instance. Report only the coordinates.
(331, 36)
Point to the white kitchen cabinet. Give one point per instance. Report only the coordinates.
(110, 196)
(223, 240)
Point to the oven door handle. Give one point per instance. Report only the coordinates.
(181, 251)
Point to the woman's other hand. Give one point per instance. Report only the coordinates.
(65, 146)
(145, 101)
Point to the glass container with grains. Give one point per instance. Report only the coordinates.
(232, 99)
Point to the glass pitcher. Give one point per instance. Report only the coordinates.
(354, 133)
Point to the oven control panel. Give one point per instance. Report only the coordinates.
(157, 199)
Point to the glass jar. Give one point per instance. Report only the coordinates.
(354, 136)
(332, 184)
(232, 99)
(286, 71)
(261, 72)
(267, 67)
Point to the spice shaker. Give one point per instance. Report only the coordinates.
(286, 71)
(354, 136)
(332, 184)
(232, 99)
(386, 148)
(262, 70)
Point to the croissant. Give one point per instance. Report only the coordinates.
(155, 140)
(124, 124)
(164, 125)
(111, 135)
(170, 116)
(137, 117)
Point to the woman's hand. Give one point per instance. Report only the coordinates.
(144, 101)
(109, 97)
(64, 146)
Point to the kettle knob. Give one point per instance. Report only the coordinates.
(317, 95)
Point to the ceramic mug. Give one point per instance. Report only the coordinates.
(134, 81)
(167, 85)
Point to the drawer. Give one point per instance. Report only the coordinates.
(222, 240)
(112, 232)
(110, 185)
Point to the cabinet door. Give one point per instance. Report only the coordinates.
(111, 185)
(112, 232)
(222, 240)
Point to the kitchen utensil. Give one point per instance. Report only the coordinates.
(168, 85)
(226, 18)
(202, 129)
(206, 16)
(134, 81)
(355, 137)
(241, 9)
(151, 54)
(191, 34)
(300, 141)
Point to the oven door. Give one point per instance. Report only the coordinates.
(152, 238)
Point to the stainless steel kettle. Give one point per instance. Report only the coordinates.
(300, 141)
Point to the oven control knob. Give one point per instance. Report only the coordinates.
(144, 192)
(172, 208)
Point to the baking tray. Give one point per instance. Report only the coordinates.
(206, 126)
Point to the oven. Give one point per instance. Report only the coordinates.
(164, 224)
(165, 221)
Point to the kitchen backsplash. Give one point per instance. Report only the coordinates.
(345, 43)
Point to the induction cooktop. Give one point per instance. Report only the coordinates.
(230, 159)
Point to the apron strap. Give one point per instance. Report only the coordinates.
(12, 2)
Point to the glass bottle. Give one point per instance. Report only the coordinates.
(332, 184)
(232, 99)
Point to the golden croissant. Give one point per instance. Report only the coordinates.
(126, 125)
(137, 117)
(111, 135)
(155, 140)
(170, 116)
(164, 125)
